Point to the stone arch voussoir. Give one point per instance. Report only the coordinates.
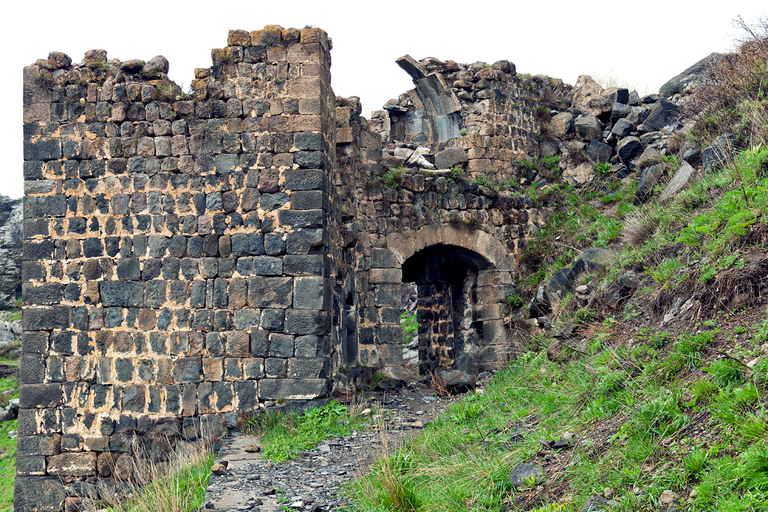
(403, 246)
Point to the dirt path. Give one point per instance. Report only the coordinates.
(312, 482)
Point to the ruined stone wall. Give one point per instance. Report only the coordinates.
(388, 216)
(482, 117)
(178, 249)
(192, 256)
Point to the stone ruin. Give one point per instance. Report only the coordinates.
(189, 257)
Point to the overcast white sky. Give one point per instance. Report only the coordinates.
(642, 43)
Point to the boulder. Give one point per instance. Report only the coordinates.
(682, 82)
(623, 128)
(588, 97)
(449, 157)
(678, 182)
(563, 125)
(578, 175)
(719, 153)
(540, 305)
(629, 148)
(156, 67)
(664, 112)
(526, 472)
(594, 259)
(588, 128)
(599, 151)
(617, 94)
(456, 381)
(650, 177)
(619, 111)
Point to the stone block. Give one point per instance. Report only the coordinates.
(312, 293)
(45, 207)
(385, 275)
(309, 200)
(387, 294)
(247, 395)
(302, 241)
(281, 345)
(305, 321)
(38, 494)
(302, 218)
(494, 332)
(73, 464)
(266, 266)
(33, 465)
(493, 277)
(272, 319)
(126, 294)
(260, 343)
(253, 368)
(389, 334)
(187, 370)
(382, 258)
(40, 395)
(316, 368)
(42, 149)
(272, 292)
(292, 389)
(305, 179)
(237, 344)
(48, 444)
(275, 367)
(39, 319)
(449, 157)
(306, 265)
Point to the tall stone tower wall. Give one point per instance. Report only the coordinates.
(178, 264)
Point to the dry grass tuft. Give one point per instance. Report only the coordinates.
(638, 228)
(173, 482)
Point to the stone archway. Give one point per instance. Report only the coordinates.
(463, 279)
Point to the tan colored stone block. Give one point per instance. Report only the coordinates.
(310, 106)
(315, 35)
(483, 312)
(306, 123)
(213, 368)
(311, 52)
(72, 368)
(493, 277)
(73, 464)
(308, 87)
(277, 54)
(479, 166)
(344, 135)
(239, 38)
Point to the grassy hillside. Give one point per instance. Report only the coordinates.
(654, 383)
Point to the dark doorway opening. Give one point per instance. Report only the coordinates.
(449, 331)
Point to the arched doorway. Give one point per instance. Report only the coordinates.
(446, 279)
(463, 278)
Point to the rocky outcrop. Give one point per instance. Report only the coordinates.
(11, 218)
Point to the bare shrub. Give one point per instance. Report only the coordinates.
(733, 93)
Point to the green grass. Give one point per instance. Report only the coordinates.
(409, 325)
(288, 432)
(7, 464)
(461, 461)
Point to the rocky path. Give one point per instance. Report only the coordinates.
(313, 482)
